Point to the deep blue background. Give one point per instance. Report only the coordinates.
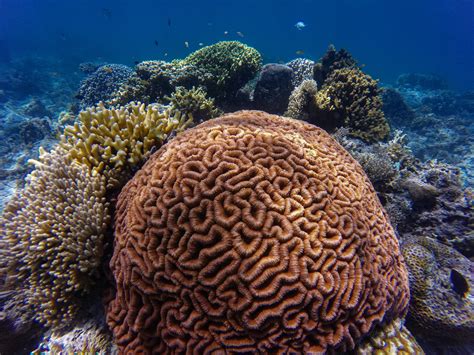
(390, 37)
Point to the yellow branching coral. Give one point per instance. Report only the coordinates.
(112, 141)
(53, 233)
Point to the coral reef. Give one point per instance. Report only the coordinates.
(53, 231)
(273, 88)
(302, 70)
(392, 338)
(102, 84)
(351, 99)
(301, 102)
(331, 61)
(153, 80)
(113, 142)
(442, 294)
(222, 69)
(193, 103)
(252, 232)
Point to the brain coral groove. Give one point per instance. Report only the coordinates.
(252, 232)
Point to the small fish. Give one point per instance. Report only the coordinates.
(299, 52)
(209, 23)
(62, 36)
(201, 44)
(136, 62)
(169, 22)
(156, 43)
(459, 283)
(300, 25)
(226, 33)
(166, 54)
(240, 34)
(107, 13)
(186, 44)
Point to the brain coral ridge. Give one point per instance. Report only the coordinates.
(252, 233)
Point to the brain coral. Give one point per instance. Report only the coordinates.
(252, 232)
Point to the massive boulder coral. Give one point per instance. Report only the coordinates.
(52, 239)
(441, 282)
(252, 232)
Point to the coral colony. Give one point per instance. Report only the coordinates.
(171, 214)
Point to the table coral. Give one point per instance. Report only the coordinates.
(252, 232)
(52, 238)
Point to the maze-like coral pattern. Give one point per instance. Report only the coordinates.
(252, 233)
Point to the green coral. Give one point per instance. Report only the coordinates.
(437, 307)
(224, 67)
(351, 99)
(194, 103)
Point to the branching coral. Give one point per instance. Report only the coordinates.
(330, 62)
(252, 232)
(351, 98)
(53, 232)
(194, 103)
(112, 142)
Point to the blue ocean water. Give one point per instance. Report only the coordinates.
(430, 36)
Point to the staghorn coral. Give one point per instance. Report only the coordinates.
(331, 61)
(53, 233)
(252, 232)
(193, 102)
(351, 99)
(301, 101)
(392, 338)
(224, 67)
(437, 308)
(112, 142)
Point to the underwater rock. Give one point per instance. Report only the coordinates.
(441, 306)
(395, 108)
(422, 194)
(302, 69)
(223, 227)
(421, 81)
(102, 84)
(273, 88)
(36, 108)
(34, 130)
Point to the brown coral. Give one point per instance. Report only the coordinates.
(252, 232)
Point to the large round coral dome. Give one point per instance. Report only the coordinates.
(252, 233)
